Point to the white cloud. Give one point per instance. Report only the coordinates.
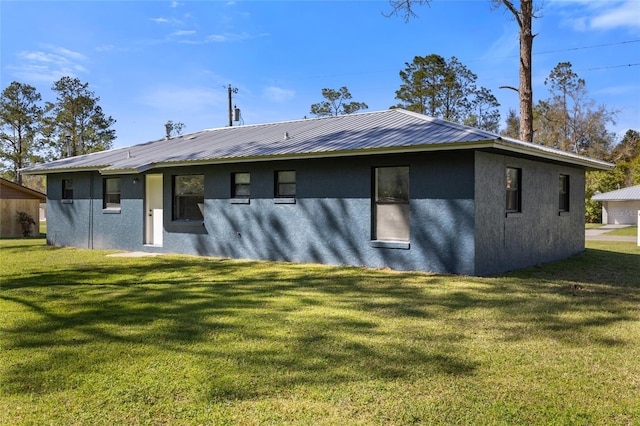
(506, 46)
(626, 14)
(106, 48)
(278, 94)
(585, 15)
(182, 33)
(159, 20)
(48, 65)
(219, 38)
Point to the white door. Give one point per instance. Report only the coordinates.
(153, 210)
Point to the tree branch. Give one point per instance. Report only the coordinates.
(509, 5)
(405, 7)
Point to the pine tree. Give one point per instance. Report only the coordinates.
(20, 123)
(75, 124)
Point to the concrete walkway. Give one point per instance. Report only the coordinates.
(600, 234)
(134, 254)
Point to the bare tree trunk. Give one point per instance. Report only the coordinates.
(526, 90)
(524, 17)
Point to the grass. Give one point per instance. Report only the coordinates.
(592, 225)
(628, 231)
(96, 340)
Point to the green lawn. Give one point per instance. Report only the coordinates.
(629, 231)
(592, 225)
(87, 339)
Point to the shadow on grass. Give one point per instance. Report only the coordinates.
(267, 327)
(616, 269)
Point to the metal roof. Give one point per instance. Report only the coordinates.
(393, 130)
(625, 194)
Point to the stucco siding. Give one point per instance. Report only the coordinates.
(457, 214)
(82, 222)
(537, 234)
(329, 222)
(68, 220)
(331, 219)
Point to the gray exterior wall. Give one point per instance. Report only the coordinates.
(330, 222)
(83, 223)
(457, 217)
(540, 233)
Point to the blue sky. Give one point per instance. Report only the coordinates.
(153, 61)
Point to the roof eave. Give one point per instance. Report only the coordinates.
(498, 144)
(42, 171)
(555, 155)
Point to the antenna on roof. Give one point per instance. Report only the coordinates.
(231, 90)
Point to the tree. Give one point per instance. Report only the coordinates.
(599, 182)
(524, 16)
(485, 114)
(335, 103)
(173, 129)
(513, 125)
(626, 173)
(569, 120)
(629, 147)
(423, 81)
(75, 124)
(20, 119)
(447, 90)
(626, 155)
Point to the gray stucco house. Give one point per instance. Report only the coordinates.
(379, 189)
(620, 207)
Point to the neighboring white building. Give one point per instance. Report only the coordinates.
(620, 207)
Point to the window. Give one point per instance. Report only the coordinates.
(240, 185)
(111, 193)
(514, 194)
(286, 184)
(391, 203)
(67, 189)
(563, 193)
(188, 197)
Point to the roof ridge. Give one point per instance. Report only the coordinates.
(447, 123)
(611, 195)
(297, 120)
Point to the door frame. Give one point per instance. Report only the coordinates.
(153, 209)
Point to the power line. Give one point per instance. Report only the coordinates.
(587, 47)
(612, 66)
(595, 46)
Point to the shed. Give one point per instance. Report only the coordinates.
(16, 198)
(378, 189)
(620, 207)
